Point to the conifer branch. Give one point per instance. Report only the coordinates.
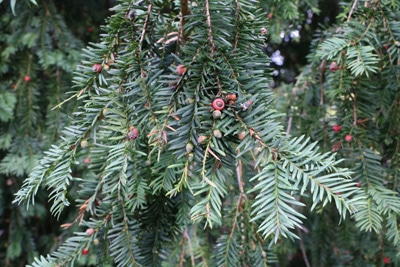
(154, 190)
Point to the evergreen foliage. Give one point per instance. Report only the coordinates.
(350, 88)
(176, 154)
(39, 53)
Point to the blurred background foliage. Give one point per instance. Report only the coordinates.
(40, 46)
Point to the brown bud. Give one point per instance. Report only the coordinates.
(97, 68)
(333, 66)
(241, 135)
(202, 139)
(84, 144)
(336, 146)
(189, 147)
(90, 231)
(189, 101)
(180, 69)
(133, 133)
(216, 114)
(217, 133)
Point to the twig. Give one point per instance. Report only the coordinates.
(212, 46)
(321, 82)
(239, 176)
(355, 109)
(66, 100)
(240, 198)
(144, 29)
(303, 249)
(210, 34)
(290, 121)
(184, 12)
(237, 6)
(352, 10)
(146, 21)
(182, 256)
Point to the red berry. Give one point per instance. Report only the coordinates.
(217, 133)
(85, 251)
(336, 128)
(133, 133)
(97, 68)
(86, 160)
(218, 104)
(27, 78)
(90, 29)
(269, 16)
(90, 231)
(180, 69)
(348, 138)
(333, 66)
(386, 260)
